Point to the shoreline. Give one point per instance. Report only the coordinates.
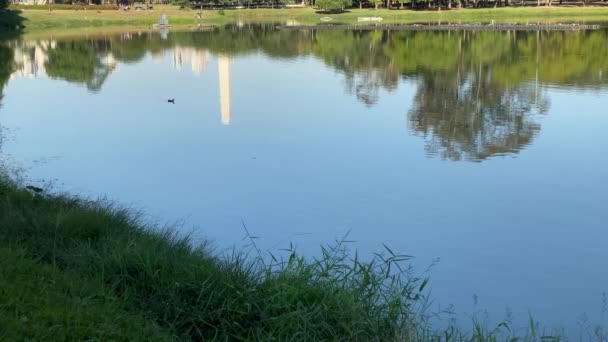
(92, 268)
(108, 273)
(451, 27)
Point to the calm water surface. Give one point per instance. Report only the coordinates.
(483, 151)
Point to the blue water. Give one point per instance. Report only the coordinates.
(300, 160)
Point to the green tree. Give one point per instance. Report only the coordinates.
(377, 3)
(79, 62)
(3, 5)
(403, 2)
(333, 5)
(182, 3)
(360, 2)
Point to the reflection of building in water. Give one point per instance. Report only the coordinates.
(197, 58)
(109, 61)
(126, 36)
(44, 58)
(30, 58)
(224, 76)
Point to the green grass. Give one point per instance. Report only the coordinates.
(72, 269)
(89, 270)
(70, 19)
(39, 301)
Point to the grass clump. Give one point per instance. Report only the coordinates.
(87, 269)
(40, 302)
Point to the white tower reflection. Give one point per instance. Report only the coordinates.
(224, 76)
(198, 60)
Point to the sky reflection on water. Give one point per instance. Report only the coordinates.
(487, 159)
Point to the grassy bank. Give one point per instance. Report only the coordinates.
(68, 19)
(88, 270)
(72, 269)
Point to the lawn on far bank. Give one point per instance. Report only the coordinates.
(38, 19)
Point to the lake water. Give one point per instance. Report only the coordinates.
(482, 152)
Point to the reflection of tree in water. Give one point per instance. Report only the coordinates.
(6, 66)
(361, 57)
(474, 118)
(366, 84)
(474, 97)
(480, 94)
(83, 61)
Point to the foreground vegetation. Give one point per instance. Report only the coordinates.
(81, 270)
(38, 19)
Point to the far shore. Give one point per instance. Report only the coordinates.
(455, 27)
(61, 20)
